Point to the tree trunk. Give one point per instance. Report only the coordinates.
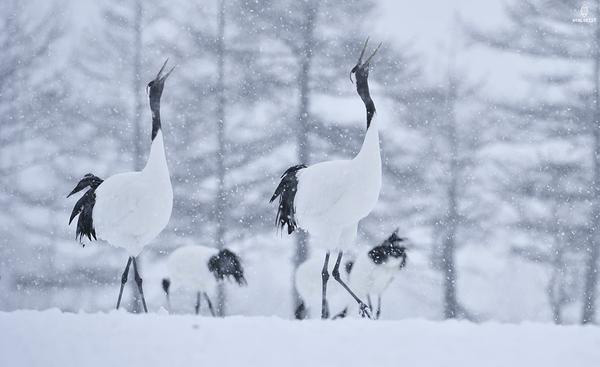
(221, 150)
(556, 285)
(137, 87)
(305, 58)
(451, 221)
(591, 272)
(138, 139)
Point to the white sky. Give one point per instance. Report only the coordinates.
(427, 25)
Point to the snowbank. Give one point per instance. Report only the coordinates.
(52, 338)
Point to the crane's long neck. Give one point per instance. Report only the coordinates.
(155, 108)
(369, 152)
(157, 161)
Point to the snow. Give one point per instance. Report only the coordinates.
(51, 338)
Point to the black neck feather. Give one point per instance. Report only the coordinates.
(362, 87)
(227, 264)
(155, 107)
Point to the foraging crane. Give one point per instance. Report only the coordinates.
(369, 274)
(373, 271)
(200, 269)
(328, 199)
(130, 209)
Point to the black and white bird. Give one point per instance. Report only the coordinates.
(199, 269)
(328, 199)
(373, 271)
(369, 275)
(128, 210)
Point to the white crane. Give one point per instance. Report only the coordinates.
(373, 271)
(369, 275)
(200, 269)
(128, 210)
(328, 199)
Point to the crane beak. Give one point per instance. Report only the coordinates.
(360, 63)
(159, 76)
(80, 186)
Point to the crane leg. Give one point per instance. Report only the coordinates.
(166, 284)
(325, 278)
(378, 311)
(123, 281)
(363, 308)
(342, 314)
(138, 281)
(197, 307)
(210, 306)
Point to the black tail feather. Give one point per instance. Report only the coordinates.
(166, 284)
(341, 315)
(227, 264)
(300, 312)
(85, 207)
(286, 191)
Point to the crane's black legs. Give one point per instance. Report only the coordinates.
(325, 278)
(123, 281)
(363, 308)
(210, 306)
(138, 281)
(378, 310)
(166, 283)
(197, 308)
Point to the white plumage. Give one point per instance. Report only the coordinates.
(374, 271)
(370, 279)
(334, 196)
(132, 208)
(199, 269)
(328, 199)
(187, 268)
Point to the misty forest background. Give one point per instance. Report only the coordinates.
(499, 193)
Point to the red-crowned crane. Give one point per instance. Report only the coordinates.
(328, 199)
(200, 269)
(373, 271)
(369, 275)
(128, 210)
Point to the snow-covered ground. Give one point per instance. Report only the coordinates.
(52, 338)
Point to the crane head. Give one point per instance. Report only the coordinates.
(392, 250)
(155, 87)
(361, 69)
(89, 180)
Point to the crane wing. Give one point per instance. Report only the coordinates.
(321, 187)
(120, 205)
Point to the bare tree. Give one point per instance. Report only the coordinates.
(30, 102)
(120, 37)
(220, 205)
(551, 34)
(556, 183)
